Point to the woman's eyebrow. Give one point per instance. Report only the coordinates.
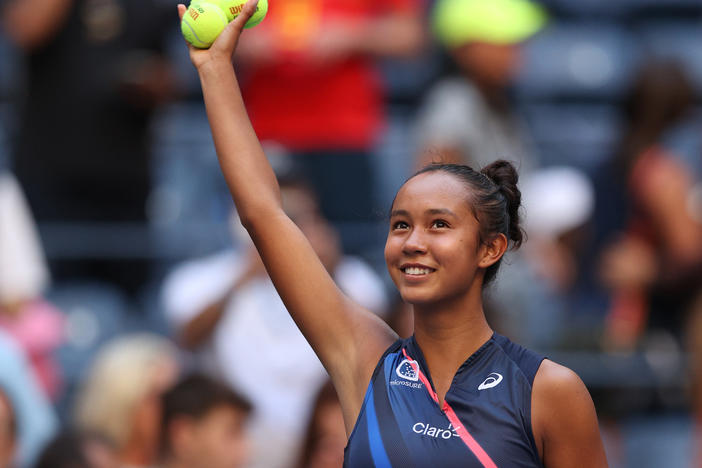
(399, 213)
(439, 211)
(430, 211)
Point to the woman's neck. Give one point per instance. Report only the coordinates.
(448, 334)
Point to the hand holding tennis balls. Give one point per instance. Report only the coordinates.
(204, 20)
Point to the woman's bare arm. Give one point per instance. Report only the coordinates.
(564, 420)
(347, 338)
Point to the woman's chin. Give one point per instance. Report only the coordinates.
(417, 298)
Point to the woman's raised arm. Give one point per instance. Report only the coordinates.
(347, 338)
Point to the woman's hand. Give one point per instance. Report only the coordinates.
(224, 46)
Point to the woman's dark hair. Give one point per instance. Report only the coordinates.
(661, 95)
(495, 201)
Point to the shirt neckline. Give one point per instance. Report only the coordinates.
(418, 355)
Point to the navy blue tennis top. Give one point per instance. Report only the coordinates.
(485, 420)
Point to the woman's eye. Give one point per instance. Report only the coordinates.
(439, 224)
(400, 225)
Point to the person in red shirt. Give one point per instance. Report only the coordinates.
(310, 86)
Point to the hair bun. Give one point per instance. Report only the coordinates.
(504, 175)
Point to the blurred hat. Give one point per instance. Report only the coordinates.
(556, 200)
(457, 22)
(23, 270)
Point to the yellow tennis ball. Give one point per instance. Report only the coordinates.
(202, 23)
(233, 7)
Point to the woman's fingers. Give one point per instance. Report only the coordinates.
(228, 38)
(246, 13)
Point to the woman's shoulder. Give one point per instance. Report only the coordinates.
(564, 420)
(559, 398)
(554, 377)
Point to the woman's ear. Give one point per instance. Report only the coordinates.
(493, 250)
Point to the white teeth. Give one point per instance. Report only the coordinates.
(417, 271)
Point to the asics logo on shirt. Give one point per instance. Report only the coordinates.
(408, 370)
(492, 381)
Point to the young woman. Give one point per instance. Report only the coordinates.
(454, 394)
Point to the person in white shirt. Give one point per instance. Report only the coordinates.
(225, 310)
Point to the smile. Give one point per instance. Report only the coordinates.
(416, 271)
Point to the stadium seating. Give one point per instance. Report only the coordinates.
(578, 61)
(577, 134)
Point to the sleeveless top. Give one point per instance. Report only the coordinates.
(485, 420)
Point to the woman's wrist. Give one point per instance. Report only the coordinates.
(214, 67)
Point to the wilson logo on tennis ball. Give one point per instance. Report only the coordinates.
(202, 24)
(233, 8)
(408, 370)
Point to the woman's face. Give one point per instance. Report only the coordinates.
(433, 249)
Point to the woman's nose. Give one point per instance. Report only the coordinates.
(415, 242)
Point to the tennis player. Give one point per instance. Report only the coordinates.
(455, 393)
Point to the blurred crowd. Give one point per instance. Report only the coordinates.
(138, 327)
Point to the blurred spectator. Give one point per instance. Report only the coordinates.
(35, 421)
(203, 425)
(310, 86)
(694, 347)
(78, 450)
(95, 73)
(120, 398)
(536, 296)
(226, 309)
(469, 118)
(326, 435)
(652, 262)
(34, 323)
(558, 201)
(8, 431)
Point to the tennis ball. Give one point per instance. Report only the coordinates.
(202, 23)
(233, 7)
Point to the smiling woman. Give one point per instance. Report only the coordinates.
(469, 207)
(455, 393)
